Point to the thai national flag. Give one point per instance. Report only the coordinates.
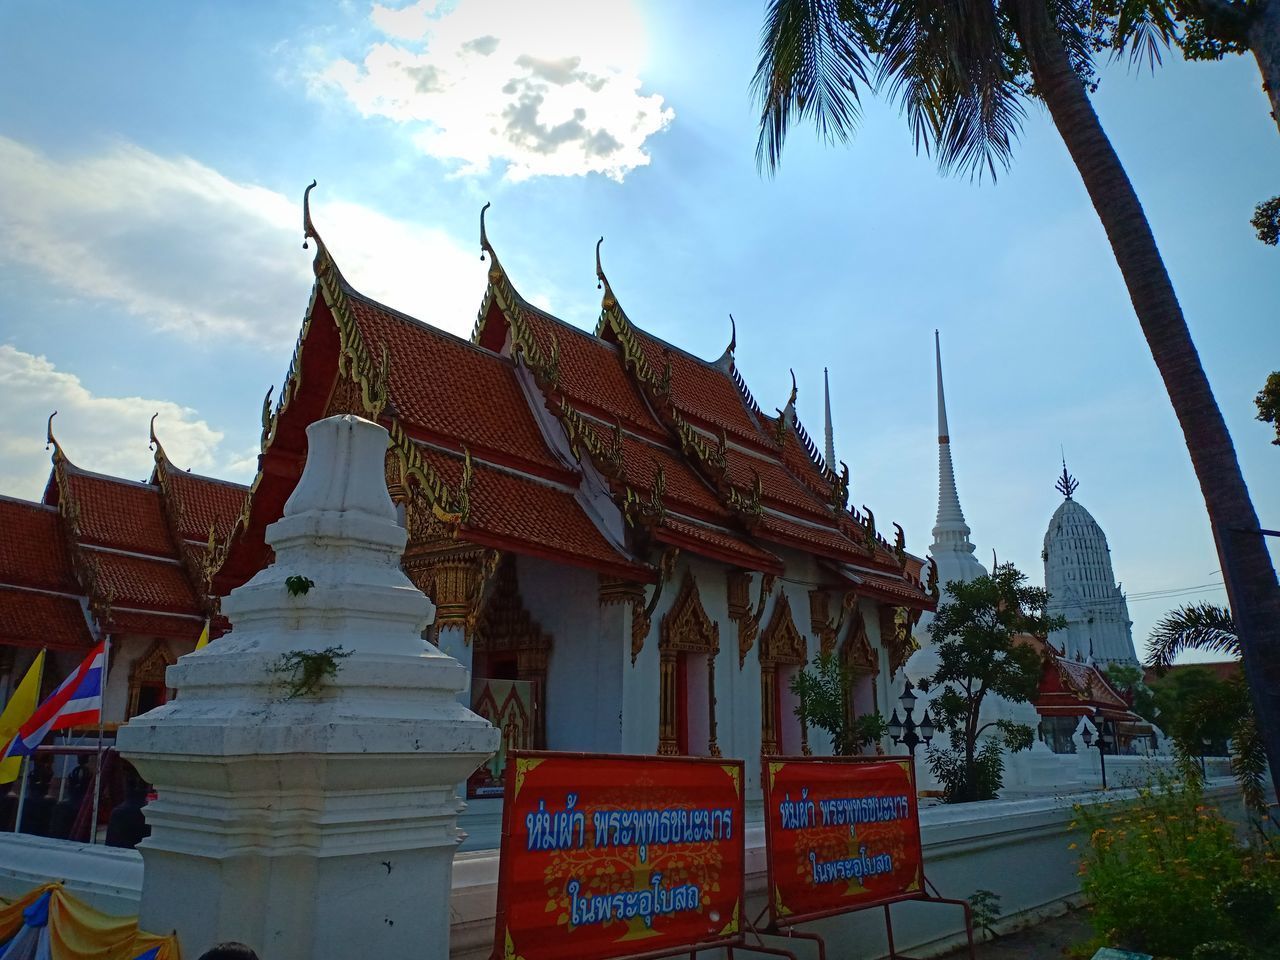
(77, 700)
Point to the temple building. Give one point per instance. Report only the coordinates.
(1082, 587)
(626, 551)
(102, 557)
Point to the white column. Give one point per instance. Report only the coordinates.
(321, 826)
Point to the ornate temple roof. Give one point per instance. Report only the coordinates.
(107, 555)
(515, 439)
(1070, 688)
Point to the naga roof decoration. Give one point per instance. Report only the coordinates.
(533, 409)
(466, 452)
(105, 555)
(1075, 688)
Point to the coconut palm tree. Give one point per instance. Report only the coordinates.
(1212, 629)
(962, 71)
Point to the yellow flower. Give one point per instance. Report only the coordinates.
(1071, 846)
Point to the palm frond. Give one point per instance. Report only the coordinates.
(1196, 626)
(1249, 763)
(1143, 27)
(944, 62)
(813, 60)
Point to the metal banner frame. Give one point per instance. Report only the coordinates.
(783, 926)
(730, 943)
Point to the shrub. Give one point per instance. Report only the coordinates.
(1166, 875)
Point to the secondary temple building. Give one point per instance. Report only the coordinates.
(626, 551)
(99, 557)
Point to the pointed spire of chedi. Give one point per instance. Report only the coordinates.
(829, 451)
(950, 532)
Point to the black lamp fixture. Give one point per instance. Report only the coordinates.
(1103, 743)
(908, 731)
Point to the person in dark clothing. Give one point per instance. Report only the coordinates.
(127, 826)
(229, 951)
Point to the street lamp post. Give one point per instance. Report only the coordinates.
(1103, 742)
(908, 731)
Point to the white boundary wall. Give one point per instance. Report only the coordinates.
(1016, 848)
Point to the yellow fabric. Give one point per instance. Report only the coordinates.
(17, 711)
(79, 932)
(204, 636)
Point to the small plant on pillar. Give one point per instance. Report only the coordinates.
(298, 585)
(308, 670)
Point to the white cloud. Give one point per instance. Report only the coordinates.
(545, 89)
(186, 249)
(106, 434)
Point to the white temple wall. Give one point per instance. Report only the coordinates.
(584, 680)
(1017, 848)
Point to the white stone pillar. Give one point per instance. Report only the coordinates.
(323, 826)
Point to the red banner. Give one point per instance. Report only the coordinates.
(840, 834)
(618, 856)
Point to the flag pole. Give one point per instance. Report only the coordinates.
(97, 773)
(23, 767)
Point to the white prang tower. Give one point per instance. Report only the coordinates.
(1082, 586)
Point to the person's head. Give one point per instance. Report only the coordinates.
(229, 951)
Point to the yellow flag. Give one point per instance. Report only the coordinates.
(204, 635)
(20, 707)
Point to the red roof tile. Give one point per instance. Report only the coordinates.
(204, 501)
(701, 391)
(119, 513)
(510, 508)
(32, 549)
(592, 374)
(717, 544)
(32, 619)
(132, 581)
(453, 389)
(140, 622)
(778, 487)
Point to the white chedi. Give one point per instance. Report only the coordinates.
(322, 826)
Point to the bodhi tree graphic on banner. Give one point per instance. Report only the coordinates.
(841, 834)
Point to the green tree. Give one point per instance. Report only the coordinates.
(1268, 401)
(1208, 30)
(976, 635)
(1127, 678)
(826, 696)
(963, 75)
(1209, 710)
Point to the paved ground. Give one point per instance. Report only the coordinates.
(1048, 940)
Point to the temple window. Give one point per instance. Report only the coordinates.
(782, 655)
(687, 648)
(860, 657)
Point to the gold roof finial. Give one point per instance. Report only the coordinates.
(485, 246)
(602, 282)
(51, 441)
(154, 441)
(733, 335)
(309, 231)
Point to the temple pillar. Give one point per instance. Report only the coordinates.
(321, 824)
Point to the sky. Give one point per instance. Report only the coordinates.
(153, 158)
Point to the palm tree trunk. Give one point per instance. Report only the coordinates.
(1246, 565)
(1264, 41)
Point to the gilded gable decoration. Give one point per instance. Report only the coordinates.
(740, 611)
(685, 629)
(454, 576)
(781, 644)
(857, 651)
(149, 671)
(896, 635)
(820, 617)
